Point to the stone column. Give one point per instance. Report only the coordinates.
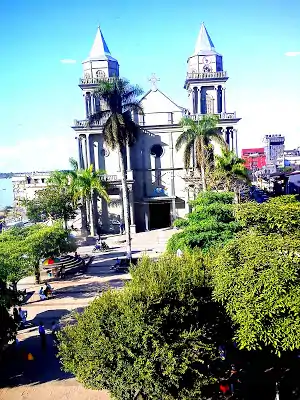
(84, 151)
(80, 154)
(191, 100)
(187, 199)
(88, 149)
(128, 158)
(200, 100)
(223, 99)
(196, 101)
(225, 134)
(235, 140)
(131, 206)
(173, 201)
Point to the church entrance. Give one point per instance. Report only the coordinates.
(159, 214)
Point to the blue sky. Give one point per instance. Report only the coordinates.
(39, 97)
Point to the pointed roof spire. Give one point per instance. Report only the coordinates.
(100, 49)
(204, 43)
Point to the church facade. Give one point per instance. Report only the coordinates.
(159, 186)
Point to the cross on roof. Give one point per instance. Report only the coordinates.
(154, 81)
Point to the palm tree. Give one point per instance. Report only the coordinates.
(82, 184)
(85, 184)
(232, 170)
(119, 100)
(197, 137)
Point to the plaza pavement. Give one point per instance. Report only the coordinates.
(42, 377)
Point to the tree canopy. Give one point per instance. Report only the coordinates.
(211, 221)
(156, 336)
(277, 215)
(52, 202)
(256, 278)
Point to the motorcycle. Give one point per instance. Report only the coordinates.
(100, 247)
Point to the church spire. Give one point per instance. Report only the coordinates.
(204, 42)
(100, 48)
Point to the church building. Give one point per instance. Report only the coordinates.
(160, 188)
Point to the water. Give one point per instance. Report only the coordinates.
(6, 193)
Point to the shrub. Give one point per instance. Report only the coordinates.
(278, 215)
(256, 278)
(158, 335)
(210, 223)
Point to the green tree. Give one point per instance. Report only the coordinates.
(52, 202)
(196, 138)
(87, 183)
(211, 222)
(80, 186)
(158, 335)
(230, 173)
(46, 241)
(119, 98)
(256, 278)
(278, 215)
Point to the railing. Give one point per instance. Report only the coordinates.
(207, 75)
(84, 123)
(93, 81)
(109, 178)
(224, 115)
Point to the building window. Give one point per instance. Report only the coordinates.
(43, 180)
(209, 104)
(141, 119)
(100, 74)
(156, 150)
(170, 118)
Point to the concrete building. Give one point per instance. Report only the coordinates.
(159, 186)
(274, 148)
(255, 158)
(25, 185)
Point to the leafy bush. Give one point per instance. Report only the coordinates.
(278, 215)
(256, 278)
(211, 222)
(158, 335)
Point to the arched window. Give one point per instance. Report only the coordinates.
(100, 74)
(209, 104)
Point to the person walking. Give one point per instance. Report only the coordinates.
(62, 272)
(98, 231)
(42, 334)
(54, 330)
(23, 316)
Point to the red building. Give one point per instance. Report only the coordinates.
(255, 158)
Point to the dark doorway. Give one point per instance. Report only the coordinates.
(159, 215)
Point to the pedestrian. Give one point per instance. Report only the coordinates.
(42, 334)
(54, 329)
(23, 316)
(16, 316)
(42, 294)
(98, 231)
(234, 378)
(62, 272)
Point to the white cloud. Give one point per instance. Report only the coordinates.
(68, 61)
(292, 53)
(38, 154)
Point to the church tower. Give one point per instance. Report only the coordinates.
(100, 64)
(205, 83)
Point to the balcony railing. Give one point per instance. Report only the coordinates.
(84, 123)
(207, 75)
(223, 115)
(93, 81)
(109, 178)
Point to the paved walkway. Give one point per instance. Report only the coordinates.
(42, 377)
